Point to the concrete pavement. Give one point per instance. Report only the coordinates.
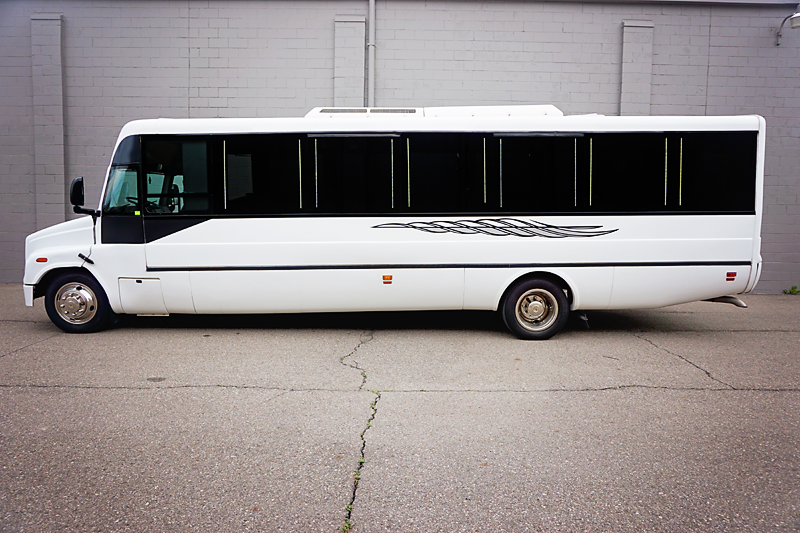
(678, 419)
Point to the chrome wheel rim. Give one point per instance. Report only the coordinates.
(76, 303)
(536, 310)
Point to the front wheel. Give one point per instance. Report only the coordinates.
(535, 309)
(77, 303)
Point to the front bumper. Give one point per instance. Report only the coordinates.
(28, 290)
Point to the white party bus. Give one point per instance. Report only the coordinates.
(517, 209)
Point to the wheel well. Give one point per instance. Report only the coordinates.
(549, 276)
(41, 288)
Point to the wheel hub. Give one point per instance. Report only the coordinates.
(533, 309)
(76, 303)
(536, 310)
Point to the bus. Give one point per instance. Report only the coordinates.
(516, 209)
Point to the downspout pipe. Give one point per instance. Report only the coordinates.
(371, 56)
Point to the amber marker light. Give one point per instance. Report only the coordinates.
(41, 260)
(387, 280)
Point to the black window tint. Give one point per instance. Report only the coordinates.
(539, 173)
(176, 175)
(435, 174)
(717, 171)
(628, 172)
(441, 173)
(239, 174)
(261, 174)
(128, 152)
(354, 174)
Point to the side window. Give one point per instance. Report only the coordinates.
(261, 174)
(538, 173)
(176, 175)
(628, 172)
(122, 191)
(702, 172)
(354, 174)
(715, 171)
(436, 172)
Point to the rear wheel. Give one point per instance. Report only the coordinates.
(535, 309)
(76, 303)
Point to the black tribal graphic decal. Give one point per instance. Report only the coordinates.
(501, 227)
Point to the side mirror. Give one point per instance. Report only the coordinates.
(76, 199)
(76, 192)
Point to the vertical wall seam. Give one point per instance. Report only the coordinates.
(637, 67)
(188, 59)
(349, 68)
(48, 118)
(708, 57)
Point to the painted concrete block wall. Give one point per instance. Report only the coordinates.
(637, 67)
(349, 61)
(48, 118)
(17, 182)
(128, 59)
(463, 53)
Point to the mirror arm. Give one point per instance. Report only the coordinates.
(84, 211)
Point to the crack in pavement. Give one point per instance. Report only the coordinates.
(163, 387)
(31, 344)
(609, 388)
(365, 338)
(411, 391)
(348, 524)
(685, 360)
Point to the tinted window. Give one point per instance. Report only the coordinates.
(443, 173)
(435, 173)
(261, 174)
(176, 174)
(447, 173)
(539, 173)
(717, 172)
(128, 152)
(628, 173)
(356, 174)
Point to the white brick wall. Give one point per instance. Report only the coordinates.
(126, 59)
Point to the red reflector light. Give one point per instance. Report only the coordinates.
(41, 260)
(731, 274)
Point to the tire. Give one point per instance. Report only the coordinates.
(76, 303)
(535, 309)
